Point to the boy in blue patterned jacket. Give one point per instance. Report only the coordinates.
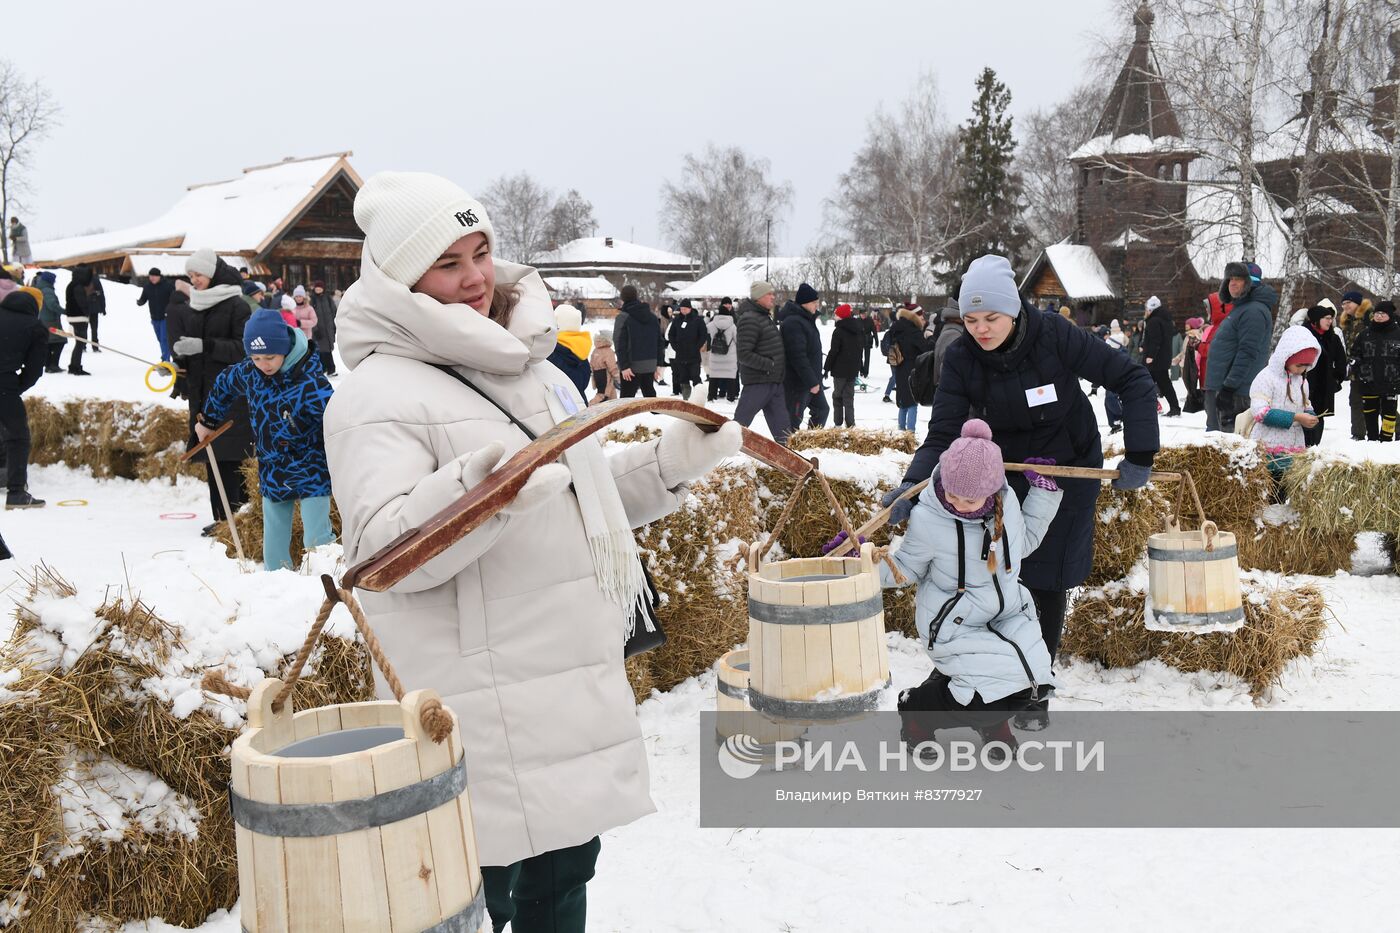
(286, 390)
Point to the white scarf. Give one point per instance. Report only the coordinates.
(616, 561)
(205, 298)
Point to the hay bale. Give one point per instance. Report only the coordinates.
(640, 434)
(1283, 621)
(1276, 541)
(49, 426)
(868, 442)
(813, 524)
(1230, 475)
(899, 611)
(1333, 493)
(130, 440)
(1125, 520)
(101, 693)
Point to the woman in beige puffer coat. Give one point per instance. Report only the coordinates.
(520, 625)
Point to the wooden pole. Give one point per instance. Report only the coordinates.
(64, 333)
(223, 497)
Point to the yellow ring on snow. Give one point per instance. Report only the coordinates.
(169, 368)
(74, 502)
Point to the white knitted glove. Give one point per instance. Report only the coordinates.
(685, 452)
(545, 483)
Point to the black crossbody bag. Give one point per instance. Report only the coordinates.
(642, 640)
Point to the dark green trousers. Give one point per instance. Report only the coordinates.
(544, 893)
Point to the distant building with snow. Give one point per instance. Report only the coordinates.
(839, 277)
(292, 219)
(618, 261)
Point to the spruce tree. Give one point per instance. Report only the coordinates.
(989, 193)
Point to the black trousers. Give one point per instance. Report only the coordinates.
(544, 893)
(685, 375)
(1379, 413)
(799, 400)
(75, 361)
(14, 432)
(720, 387)
(643, 382)
(327, 361)
(93, 322)
(865, 362)
(55, 351)
(931, 706)
(232, 473)
(1166, 388)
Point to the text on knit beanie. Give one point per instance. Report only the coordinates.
(806, 293)
(267, 333)
(971, 467)
(411, 218)
(758, 289)
(989, 285)
(1153, 303)
(201, 261)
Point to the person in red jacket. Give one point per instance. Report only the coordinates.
(1218, 313)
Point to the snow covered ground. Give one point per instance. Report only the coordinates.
(663, 873)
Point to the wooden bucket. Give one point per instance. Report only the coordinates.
(737, 717)
(816, 637)
(351, 818)
(1193, 581)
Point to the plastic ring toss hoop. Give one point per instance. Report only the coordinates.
(177, 516)
(354, 816)
(71, 503)
(168, 368)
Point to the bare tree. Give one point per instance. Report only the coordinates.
(569, 219)
(1047, 139)
(722, 205)
(27, 114)
(898, 194)
(520, 209)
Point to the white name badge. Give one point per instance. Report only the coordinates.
(566, 400)
(1041, 395)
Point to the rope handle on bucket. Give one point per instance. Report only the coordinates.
(755, 555)
(437, 722)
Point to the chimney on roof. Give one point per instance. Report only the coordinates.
(607, 241)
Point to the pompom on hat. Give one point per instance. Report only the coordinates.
(971, 467)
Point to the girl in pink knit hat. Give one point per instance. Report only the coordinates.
(964, 545)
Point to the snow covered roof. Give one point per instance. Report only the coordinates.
(609, 252)
(1077, 267)
(239, 215)
(894, 275)
(1212, 219)
(1372, 280)
(586, 287)
(1127, 237)
(1341, 134)
(174, 263)
(1132, 144)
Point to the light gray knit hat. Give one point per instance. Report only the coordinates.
(989, 285)
(410, 218)
(202, 261)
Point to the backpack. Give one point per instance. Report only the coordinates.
(921, 384)
(719, 343)
(896, 355)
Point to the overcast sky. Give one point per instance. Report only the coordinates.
(605, 97)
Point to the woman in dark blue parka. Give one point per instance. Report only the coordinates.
(1021, 368)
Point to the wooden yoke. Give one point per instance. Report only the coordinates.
(411, 550)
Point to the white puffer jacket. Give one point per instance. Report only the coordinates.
(508, 625)
(1274, 390)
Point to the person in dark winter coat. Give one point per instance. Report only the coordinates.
(1157, 352)
(952, 330)
(206, 337)
(1190, 366)
(23, 348)
(76, 302)
(1021, 369)
(688, 339)
(1376, 369)
(843, 362)
(178, 307)
(97, 309)
(867, 321)
(155, 292)
(285, 392)
(1326, 378)
(639, 343)
(802, 352)
(1240, 347)
(907, 337)
(1356, 311)
(762, 363)
(324, 333)
(51, 316)
(572, 348)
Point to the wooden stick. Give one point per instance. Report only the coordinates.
(417, 546)
(194, 451)
(223, 497)
(1076, 472)
(877, 521)
(64, 333)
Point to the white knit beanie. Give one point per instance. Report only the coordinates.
(410, 218)
(567, 317)
(1153, 303)
(202, 261)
